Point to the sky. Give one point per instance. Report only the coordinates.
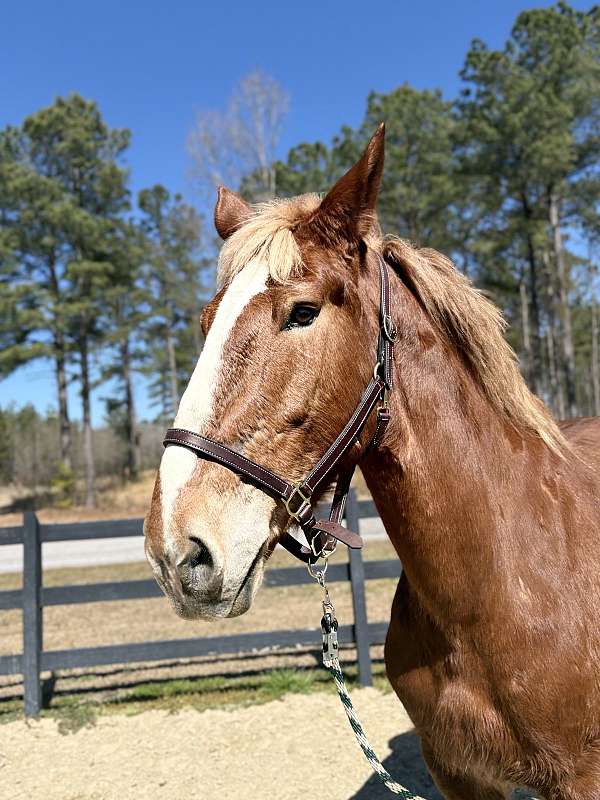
(151, 66)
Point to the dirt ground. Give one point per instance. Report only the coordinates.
(292, 749)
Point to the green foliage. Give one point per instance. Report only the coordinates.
(177, 280)
(62, 486)
(482, 178)
(62, 197)
(530, 150)
(28, 447)
(420, 188)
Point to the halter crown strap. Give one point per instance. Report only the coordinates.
(296, 497)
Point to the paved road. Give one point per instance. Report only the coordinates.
(112, 551)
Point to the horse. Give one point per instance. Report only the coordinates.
(491, 505)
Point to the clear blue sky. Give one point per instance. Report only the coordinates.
(150, 65)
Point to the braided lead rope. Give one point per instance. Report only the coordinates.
(331, 661)
(376, 765)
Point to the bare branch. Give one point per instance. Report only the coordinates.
(225, 147)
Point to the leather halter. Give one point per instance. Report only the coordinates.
(296, 497)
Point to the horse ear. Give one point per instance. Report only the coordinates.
(231, 211)
(353, 200)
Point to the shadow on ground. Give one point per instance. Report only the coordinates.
(405, 764)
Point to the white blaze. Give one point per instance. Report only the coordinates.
(195, 408)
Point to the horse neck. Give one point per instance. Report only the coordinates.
(446, 479)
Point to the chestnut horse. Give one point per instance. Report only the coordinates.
(493, 508)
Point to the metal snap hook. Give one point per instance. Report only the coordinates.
(317, 574)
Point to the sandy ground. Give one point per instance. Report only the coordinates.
(292, 749)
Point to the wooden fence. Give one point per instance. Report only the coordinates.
(33, 597)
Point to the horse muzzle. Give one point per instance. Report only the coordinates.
(198, 586)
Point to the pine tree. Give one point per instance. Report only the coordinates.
(34, 302)
(126, 308)
(177, 278)
(530, 147)
(62, 197)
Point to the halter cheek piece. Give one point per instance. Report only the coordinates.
(321, 535)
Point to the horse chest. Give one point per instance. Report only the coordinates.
(447, 701)
(457, 718)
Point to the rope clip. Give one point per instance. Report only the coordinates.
(329, 629)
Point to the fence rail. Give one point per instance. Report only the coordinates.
(33, 597)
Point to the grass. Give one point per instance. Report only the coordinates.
(76, 711)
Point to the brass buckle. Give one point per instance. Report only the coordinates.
(295, 515)
(385, 399)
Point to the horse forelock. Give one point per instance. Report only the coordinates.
(268, 235)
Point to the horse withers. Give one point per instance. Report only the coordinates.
(493, 508)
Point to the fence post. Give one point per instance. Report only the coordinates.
(357, 583)
(32, 614)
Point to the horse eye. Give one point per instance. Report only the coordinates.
(302, 315)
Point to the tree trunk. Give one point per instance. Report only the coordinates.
(595, 361)
(88, 449)
(172, 371)
(526, 332)
(556, 389)
(167, 414)
(555, 373)
(534, 305)
(564, 308)
(35, 458)
(133, 439)
(64, 423)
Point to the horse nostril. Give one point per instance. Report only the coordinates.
(199, 569)
(201, 556)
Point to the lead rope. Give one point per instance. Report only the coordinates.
(331, 662)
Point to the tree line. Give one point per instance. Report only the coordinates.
(28, 458)
(504, 178)
(97, 285)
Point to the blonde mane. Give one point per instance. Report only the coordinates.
(475, 326)
(268, 235)
(471, 323)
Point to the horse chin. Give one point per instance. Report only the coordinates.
(249, 586)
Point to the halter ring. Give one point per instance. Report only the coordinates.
(324, 553)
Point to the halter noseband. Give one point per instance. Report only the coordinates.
(321, 535)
